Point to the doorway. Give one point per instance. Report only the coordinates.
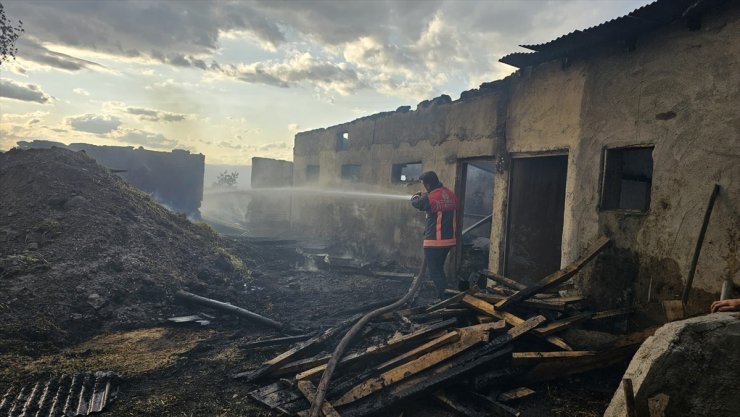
(534, 231)
(475, 195)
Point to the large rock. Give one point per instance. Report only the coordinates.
(688, 368)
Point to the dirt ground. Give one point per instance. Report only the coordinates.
(88, 269)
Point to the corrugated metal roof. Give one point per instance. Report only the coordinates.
(625, 28)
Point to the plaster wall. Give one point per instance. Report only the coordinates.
(677, 91)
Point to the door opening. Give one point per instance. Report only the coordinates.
(534, 231)
(475, 193)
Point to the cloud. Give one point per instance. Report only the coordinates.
(31, 50)
(93, 123)
(81, 92)
(297, 69)
(144, 138)
(293, 127)
(154, 115)
(228, 145)
(23, 92)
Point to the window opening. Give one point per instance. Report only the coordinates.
(312, 173)
(342, 141)
(351, 172)
(406, 173)
(628, 176)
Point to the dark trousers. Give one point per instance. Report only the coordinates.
(435, 258)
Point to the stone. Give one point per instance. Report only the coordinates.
(688, 368)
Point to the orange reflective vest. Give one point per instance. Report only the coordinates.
(440, 206)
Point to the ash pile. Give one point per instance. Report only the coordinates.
(475, 353)
(82, 251)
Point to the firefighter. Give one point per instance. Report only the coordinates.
(440, 205)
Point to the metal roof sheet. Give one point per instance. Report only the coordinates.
(637, 22)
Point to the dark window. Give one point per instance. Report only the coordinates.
(342, 141)
(312, 173)
(351, 173)
(628, 176)
(406, 172)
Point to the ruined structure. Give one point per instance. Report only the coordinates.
(174, 178)
(620, 130)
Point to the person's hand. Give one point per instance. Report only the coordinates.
(726, 305)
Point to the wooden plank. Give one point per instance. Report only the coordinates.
(524, 358)
(610, 314)
(456, 367)
(439, 314)
(562, 324)
(515, 394)
(406, 276)
(699, 243)
(292, 353)
(308, 390)
(556, 278)
(621, 350)
(488, 309)
(409, 339)
(419, 351)
(275, 341)
(629, 397)
(504, 280)
(551, 303)
(469, 337)
(455, 406)
(497, 409)
(452, 300)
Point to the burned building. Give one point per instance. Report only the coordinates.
(174, 179)
(620, 130)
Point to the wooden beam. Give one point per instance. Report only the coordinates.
(699, 243)
(556, 278)
(452, 300)
(629, 397)
(523, 358)
(426, 333)
(293, 353)
(515, 394)
(610, 314)
(275, 341)
(455, 406)
(419, 351)
(488, 309)
(456, 367)
(508, 282)
(469, 337)
(308, 390)
(562, 324)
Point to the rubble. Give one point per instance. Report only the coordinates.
(500, 340)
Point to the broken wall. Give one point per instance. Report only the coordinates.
(437, 134)
(174, 178)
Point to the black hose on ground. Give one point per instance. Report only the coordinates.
(342, 346)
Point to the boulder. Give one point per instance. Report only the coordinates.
(688, 368)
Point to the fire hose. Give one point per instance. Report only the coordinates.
(342, 346)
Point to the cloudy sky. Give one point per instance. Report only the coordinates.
(238, 79)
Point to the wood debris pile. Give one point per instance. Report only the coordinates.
(458, 351)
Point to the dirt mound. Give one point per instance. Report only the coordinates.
(81, 251)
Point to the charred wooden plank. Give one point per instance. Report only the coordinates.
(449, 301)
(523, 358)
(409, 339)
(515, 394)
(419, 351)
(504, 280)
(488, 309)
(456, 406)
(469, 337)
(563, 324)
(432, 378)
(555, 278)
(610, 314)
(275, 341)
(300, 348)
(309, 391)
(497, 408)
(219, 305)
